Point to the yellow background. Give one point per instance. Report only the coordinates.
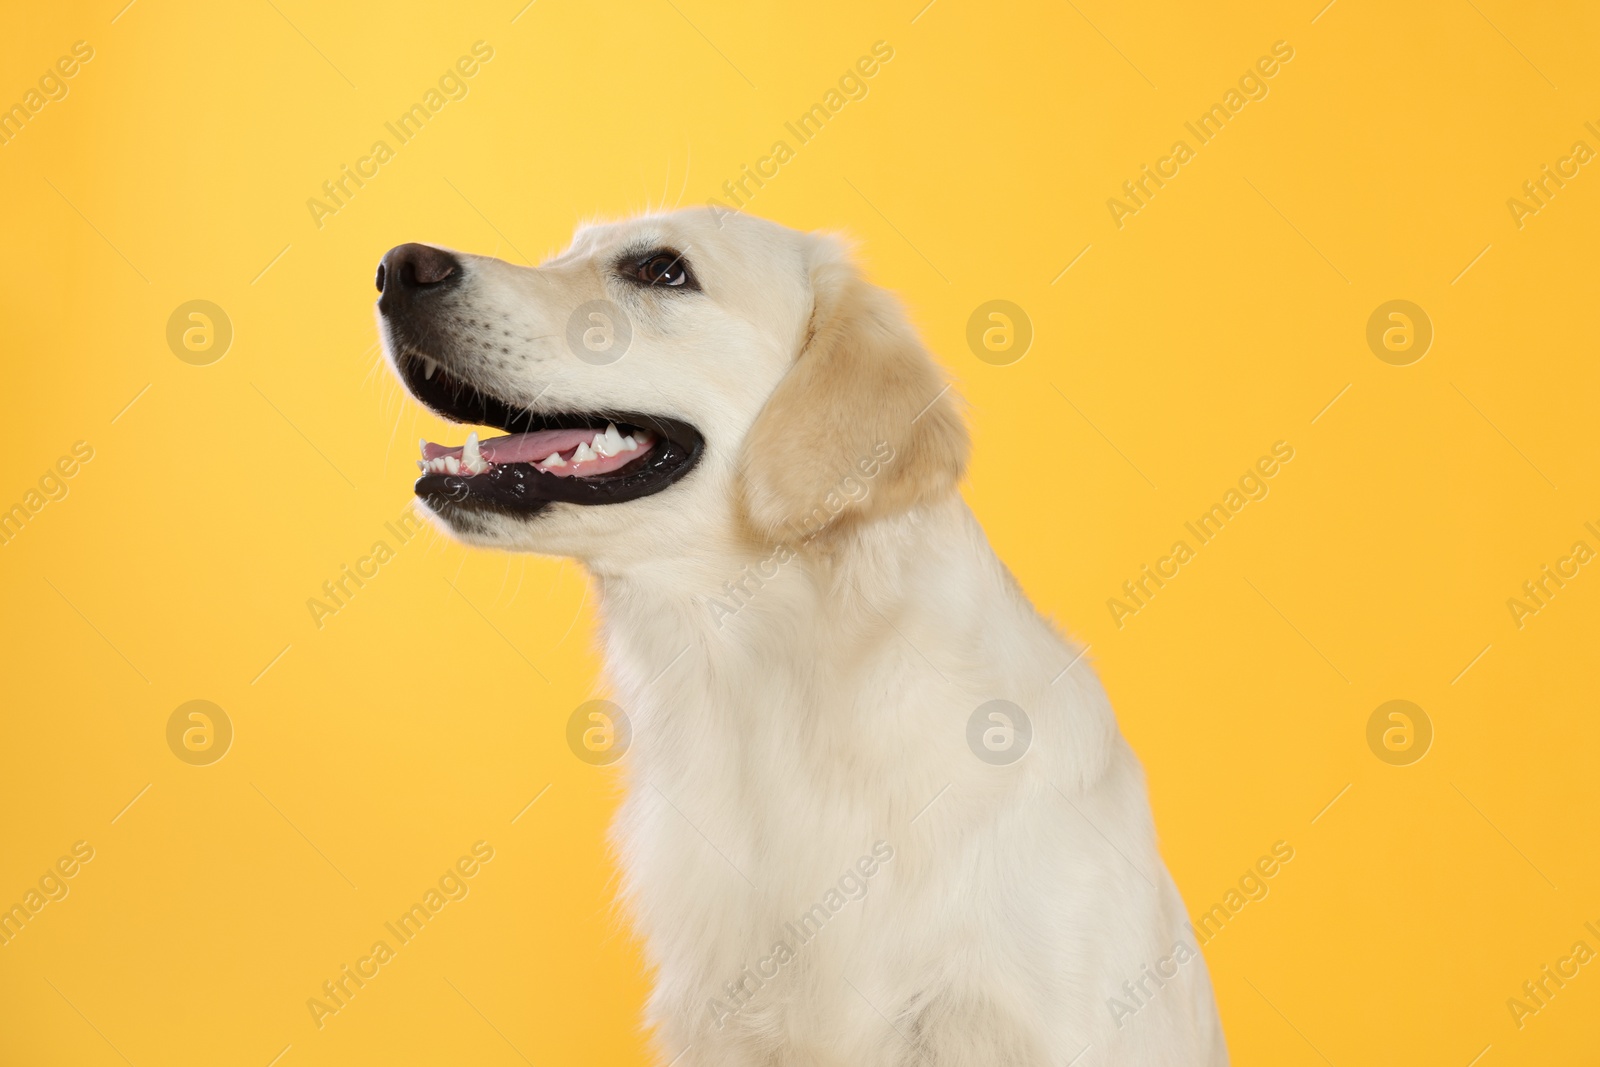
(1226, 315)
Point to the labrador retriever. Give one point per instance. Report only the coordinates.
(878, 812)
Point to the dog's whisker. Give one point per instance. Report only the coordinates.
(583, 600)
(687, 150)
(503, 580)
(522, 572)
(388, 449)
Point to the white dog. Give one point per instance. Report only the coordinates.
(878, 813)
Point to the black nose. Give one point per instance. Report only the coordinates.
(405, 268)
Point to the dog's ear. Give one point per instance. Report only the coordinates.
(864, 424)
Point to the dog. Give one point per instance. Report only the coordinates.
(878, 812)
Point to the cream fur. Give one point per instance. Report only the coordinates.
(784, 729)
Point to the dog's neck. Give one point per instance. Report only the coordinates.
(881, 633)
(923, 586)
(724, 594)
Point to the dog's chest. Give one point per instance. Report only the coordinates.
(787, 770)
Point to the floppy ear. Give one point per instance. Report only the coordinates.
(862, 427)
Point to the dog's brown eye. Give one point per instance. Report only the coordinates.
(665, 269)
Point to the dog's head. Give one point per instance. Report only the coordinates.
(679, 381)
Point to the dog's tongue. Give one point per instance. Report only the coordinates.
(518, 447)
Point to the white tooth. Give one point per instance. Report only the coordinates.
(614, 440)
(602, 445)
(452, 464)
(422, 443)
(469, 451)
(583, 453)
(629, 444)
(421, 466)
(438, 464)
(428, 368)
(553, 460)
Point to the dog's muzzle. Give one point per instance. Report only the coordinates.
(578, 457)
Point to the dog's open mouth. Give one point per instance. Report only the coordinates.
(600, 457)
